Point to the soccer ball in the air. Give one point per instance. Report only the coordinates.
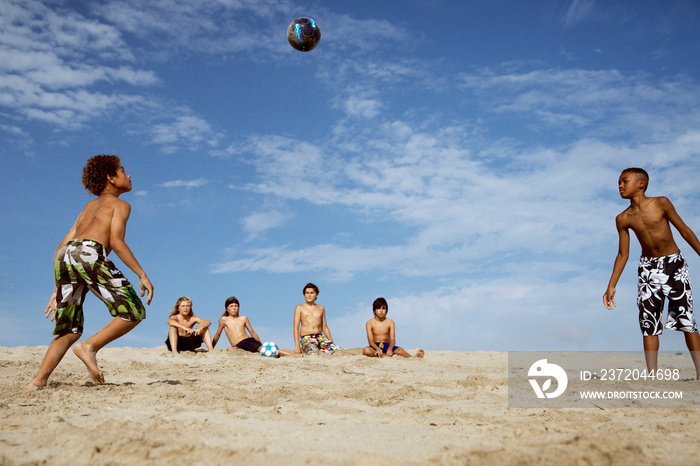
(303, 34)
(270, 349)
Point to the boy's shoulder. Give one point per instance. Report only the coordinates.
(650, 203)
(376, 321)
(311, 306)
(110, 199)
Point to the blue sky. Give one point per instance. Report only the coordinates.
(458, 158)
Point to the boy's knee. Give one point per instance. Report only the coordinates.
(68, 335)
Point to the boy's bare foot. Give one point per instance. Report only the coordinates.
(90, 360)
(35, 385)
(420, 353)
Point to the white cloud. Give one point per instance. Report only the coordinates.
(50, 59)
(186, 130)
(603, 102)
(259, 222)
(461, 200)
(184, 183)
(578, 11)
(362, 108)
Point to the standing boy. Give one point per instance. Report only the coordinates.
(381, 334)
(81, 264)
(310, 323)
(662, 270)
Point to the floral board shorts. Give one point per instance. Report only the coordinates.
(314, 343)
(82, 265)
(660, 278)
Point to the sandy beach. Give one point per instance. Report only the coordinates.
(240, 408)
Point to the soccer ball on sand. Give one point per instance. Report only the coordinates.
(270, 349)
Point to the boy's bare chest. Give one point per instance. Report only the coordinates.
(647, 219)
(381, 327)
(187, 322)
(312, 312)
(236, 323)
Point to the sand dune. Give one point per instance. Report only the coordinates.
(240, 408)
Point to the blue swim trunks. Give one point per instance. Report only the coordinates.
(384, 346)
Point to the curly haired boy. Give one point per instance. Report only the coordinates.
(81, 264)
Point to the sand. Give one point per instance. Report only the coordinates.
(240, 408)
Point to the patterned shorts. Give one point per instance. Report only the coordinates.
(316, 342)
(661, 277)
(82, 265)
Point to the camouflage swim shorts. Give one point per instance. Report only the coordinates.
(82, 265)
(317, 342)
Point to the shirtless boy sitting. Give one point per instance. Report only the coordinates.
(236, 327)
(662, 270)
(183, 336)
(310, 323)
(381, 334)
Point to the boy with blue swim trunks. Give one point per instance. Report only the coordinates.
(381, 334)
(81, 264)
(662, 272)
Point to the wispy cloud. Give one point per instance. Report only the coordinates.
(578, 11)
(463, 200)
(184, 183)
(186, 131)
(604, 102)
(174, 25)
(260, 222)
(47, 70)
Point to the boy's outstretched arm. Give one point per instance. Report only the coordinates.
(392, 338)
(122, 210)
(623, 254)
(675, 220)
(326, 330)
(250, 330)
(218, 332)
(297, 323)
(50, 310)
(370, 339)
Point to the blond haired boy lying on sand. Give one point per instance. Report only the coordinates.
(381, 334)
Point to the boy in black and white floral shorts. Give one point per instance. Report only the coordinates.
(660, 277)
(662, 268)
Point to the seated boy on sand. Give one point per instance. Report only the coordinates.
(310, 323)
(183, 336)
(236, 327)
(381, 336)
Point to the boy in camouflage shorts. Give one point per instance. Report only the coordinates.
(81, 264)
